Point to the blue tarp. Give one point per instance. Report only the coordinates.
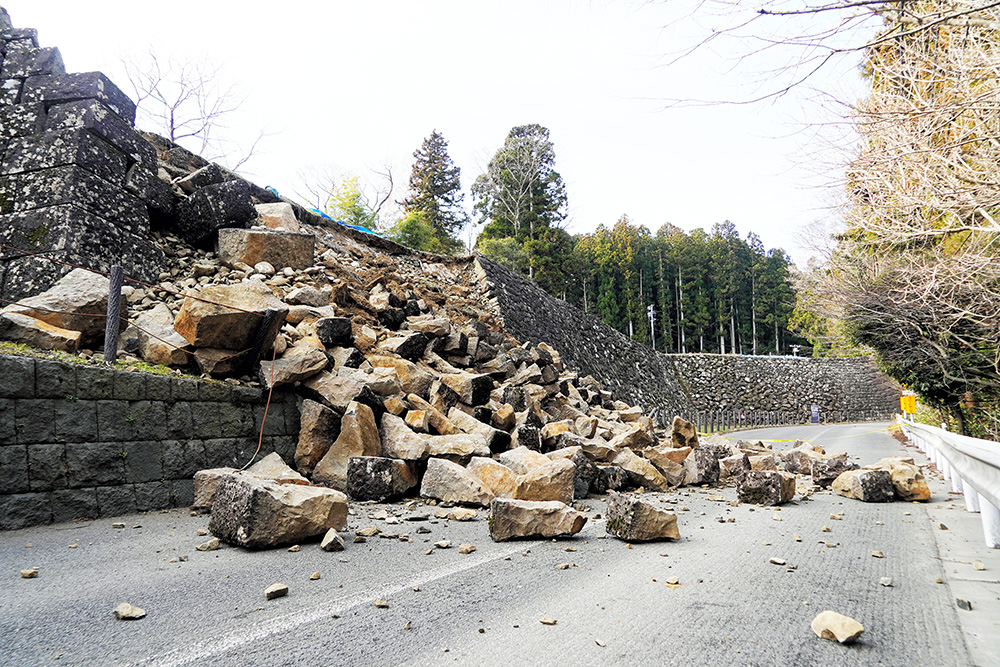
(341, 222)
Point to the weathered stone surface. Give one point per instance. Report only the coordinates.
(205, 484)
(642, 472)
(493, 474)
(907, 479)
(766, 487)
(159, 342)
(64, 88)
(460, 446)
(279, 216)
(273, 467)
(298, 364)
(610, 478)
(522, 459)
(377, 478)
(220, 363)
(36, 333)
(496, 440)
(799, 460)
(584, 476)
(359, 436)
(337, 391)
(435, 327)
(734, 466)
(382, 381)
(549, 481)
(400, 441)
(824, 471)
(683, 433)
(870, 486)
(634, 520)
(332, 541)
(833, 626)
(206, 324)
(279, 249)
(438, 420)
(666, 457)
(471, 389)
(450, 482)
(701, 467)
(413, 379)
(635, 438)
(257, 514)
(319, 426)
(308, 296)
(408, 347)
(21, 120)
(763, 462)
(513, 519)
(527, 436)
(99, 118)
(335, 331)
(417, 420)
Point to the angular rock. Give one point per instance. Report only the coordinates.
(824, 471)
(379, 479)
(319, 426)
(763, 462)
(298, 364)
(78, 302)
(358, 436)
(701, 467)
(734, 466)
(438, 421)
(610, 478)
(765, 487)
(870, 486)
(383, 382)
(335, 331)
(410, 347)
(642, 472)
(337, 391)
(551, 431)
(636, 437)
(513, 519)
(36, 333)
(435, 327)
(413, 379)
(683, 433)
(799, 460)
(836, 627)
(332, 541)
(584, 476)
(450, 482)
(231, 322)
(522, 459)
(497, 441)
(128, 612)
(159, 343)
(496, 476)
(279, 249)
(526, 436)
(550, 481)
(274, 591)
(273, 468)
(257, 514)
(205, 484)
(634, 520)
(471, 389)
(308, 296)
(220, 363)
(460, 446)
(418, 420)
(907, 480)
(503, 418)
(278, 216)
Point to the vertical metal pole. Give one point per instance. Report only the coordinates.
(114, 314)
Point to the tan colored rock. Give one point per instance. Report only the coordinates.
(450, 482)
(36, 333)
(255, 513)
(205, 324)
(332, 541)
(359, 436)
(382, 381)
(564, 452)
(396, 405)
(673, 472)
(870, 486)
(471, 389)
(549, 481)
(504, 418)
(514, 519)
(297, 364)
(630, 414)
(585, 426)
(683, 433)
(460, 446)
(634, 438)
(318, 428)
(159, 343)
(733, 466)
(277, 248)
(399, 441)
(634, 520)
(280, 216)
(77, 302)
(763, 462)
(496, 476)
(438, 421)
(552, 430)
(836, 627)
(435, 327)
(205, 484)
(495, 439)
(273, 468)
(338, 390)
(418, 420)
(907, 480)
(599, 450)
(641, 471)
(522, 459)
(128, 612)
(413, 379)
(220, 363)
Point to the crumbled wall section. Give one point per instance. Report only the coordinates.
(82, 442)
(844, 389)
(76, 180)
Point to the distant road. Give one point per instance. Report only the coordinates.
(613, 605)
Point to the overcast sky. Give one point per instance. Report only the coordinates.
(350, 86)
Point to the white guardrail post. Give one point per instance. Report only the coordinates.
(973, 467)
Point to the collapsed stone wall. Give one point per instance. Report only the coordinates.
(82, 441)
(844, 389)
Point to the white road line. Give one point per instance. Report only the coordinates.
(262, 630)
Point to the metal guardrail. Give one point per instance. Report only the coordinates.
(973, 467)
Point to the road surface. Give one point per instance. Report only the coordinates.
(612, 605)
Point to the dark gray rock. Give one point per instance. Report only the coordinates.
(335, 332)
(526, 435)
(47, 466)
(143, 461)
(80, 86)
(765, 487)
(410, 347)
(157, 195)
(14, 469)
(22, 63)
(95, 464)
(116, 500)
(63, 148)
(24, 509)
(634, 520)
(379, 479)
(212, 208)
(610, 478)
(18, 375)
(392, 318)
(583, 478)
(70, 504)
(97, 117)
(824, 471)
(210, 174)
(21, 120)
(34, 420)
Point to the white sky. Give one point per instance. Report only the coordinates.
(349, 86)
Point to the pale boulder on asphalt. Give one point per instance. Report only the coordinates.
(512, 519)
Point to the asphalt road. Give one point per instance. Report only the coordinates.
(613, 605)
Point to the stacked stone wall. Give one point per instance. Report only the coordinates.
(81, 442)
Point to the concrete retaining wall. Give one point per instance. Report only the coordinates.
(81, 441)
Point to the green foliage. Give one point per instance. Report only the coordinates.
(415, 231)
(506, 251)
(349, 205)
(436, 190)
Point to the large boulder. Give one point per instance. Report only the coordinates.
(256, 513)
(870, 486)
(522, 459)
(159, 342)
(337, 390)
(213, 207)
(907, 480)
(449, 482)
(206, 483)
(36, 333)
(279, 216)
(496, 440)
(471, 389)
(765, 487)
(232, 321)
(297, 364)
(584, 476)
(734, 466)
(701, 467)
(824, 471)
(513, 519)
(358, 436)
(634, 520)
(499, 478)
(279, 249)
(549, 481)
(318, 428)
(379, 479)
(78, 302)
(642, 472)
(274, 468)
(683, 433)
(438, 421)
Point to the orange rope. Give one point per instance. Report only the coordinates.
(267, 406)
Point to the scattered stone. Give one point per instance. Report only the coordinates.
(547, 621)
(211, 545)
(128, 612)
(294, 548)
(513, 519)
(774, 560)
(885, 581)
(825, 529)
(522, 459)
(443, 544)
(450, 482)
(825, 471)
(765, 487)
(466, 548)
(462, 514)
(878, 554)
(836, 627)
(332, 541)
(30, 573)
(205, 324)
(549, 481)
(315, 576)
(634, 520)
(683, 433)
(275, 591)
(963, 604)
(870, 486)
(381, 604)
(979, 565)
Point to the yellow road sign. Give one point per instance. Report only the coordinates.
(908, 404)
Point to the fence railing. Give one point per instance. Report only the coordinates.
(971, 465)
(720, 421)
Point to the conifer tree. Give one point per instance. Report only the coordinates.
(436, 190)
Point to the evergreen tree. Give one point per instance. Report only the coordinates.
(436, 191)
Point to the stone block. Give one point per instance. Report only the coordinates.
(8, 434)
(182, 492)
(213, 391)
(825, 471)
(21, 120)
(47, 467)
(115, 421)
(10, 91)
(237, 421)
(64, 88)
(229, 316)
(184, 390)
(76, 421)
(450, 482)
(279, 215)
(220, 452)
(36, 333)
(183, 458)
(153, 496)
(16, 38)
(635, 520)
(34, 421)
(65, 148)
(116, 500)
(143, 182)
(97, 117)
(550, 481)
(766, 487)
(94, 383)
(22, 63)
(18, 375)
(157, 387)
(150, 417)
(70, 504)
(95, 464)
(143, 461)
(870, 486)
(215, 207)
(205, 420)
(210, 174)
(14, 469)
(610, 478)
(20, 510)
(379, 479)
(54, 379)
(280, 249)
(129, 386)
(527, 519)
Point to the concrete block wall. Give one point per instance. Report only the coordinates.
(82, 442)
